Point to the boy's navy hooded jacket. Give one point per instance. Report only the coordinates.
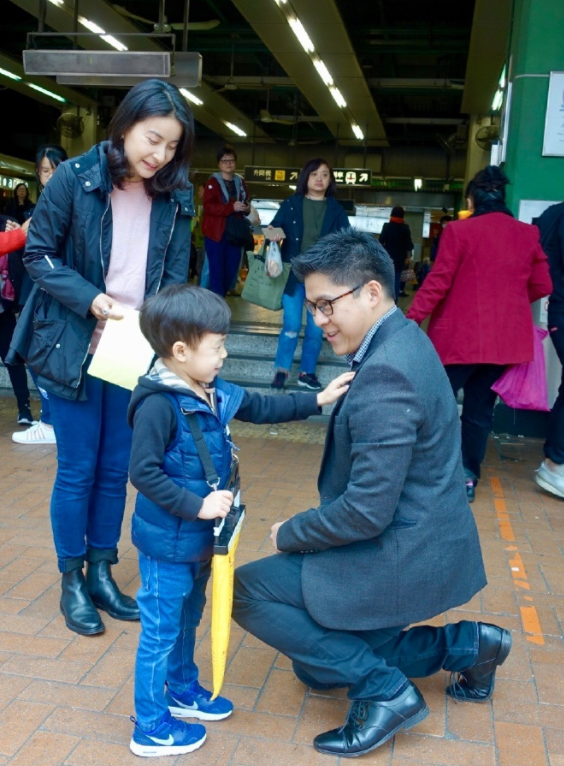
(166, 468)
(67, 255)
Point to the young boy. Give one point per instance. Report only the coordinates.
(175, 509)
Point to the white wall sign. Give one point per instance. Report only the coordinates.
(553, 145)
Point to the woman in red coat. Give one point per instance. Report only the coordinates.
(489, 269)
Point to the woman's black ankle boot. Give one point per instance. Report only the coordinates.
(106, 595)
(76, 605)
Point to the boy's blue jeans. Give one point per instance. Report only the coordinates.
(293, 306)
(171, 600)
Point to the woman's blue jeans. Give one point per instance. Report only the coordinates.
(93, 449)
(171, 601)
(293, 306)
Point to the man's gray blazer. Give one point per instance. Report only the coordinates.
(394, 541)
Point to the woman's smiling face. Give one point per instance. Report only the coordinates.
(151, 144)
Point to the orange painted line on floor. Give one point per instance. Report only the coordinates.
(529, 616)
(531, 624)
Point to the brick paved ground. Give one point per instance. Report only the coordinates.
(65, 699)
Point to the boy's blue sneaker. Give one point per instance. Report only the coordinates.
(171, 737)
(196, 703)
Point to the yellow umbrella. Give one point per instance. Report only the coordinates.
(226, 541)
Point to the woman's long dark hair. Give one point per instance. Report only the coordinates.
(310, 167)
(487, 191)
(54, 153)
(152, 98)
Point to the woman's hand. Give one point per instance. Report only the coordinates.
(335, 389)
(25, 226)
(11, 225)
(241, 207)
(103, 307)
(276, 237)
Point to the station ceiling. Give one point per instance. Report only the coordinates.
(405, 69)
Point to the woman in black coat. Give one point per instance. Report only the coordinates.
(111, 228)
(396, 239)
(306, 216)
(20, 206)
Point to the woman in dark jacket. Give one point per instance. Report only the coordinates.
(48, 158)
(478, 294)
(111, 228)
(20, 206)
(306, 216)
(396, 239)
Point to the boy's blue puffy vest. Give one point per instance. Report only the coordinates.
(155, 531)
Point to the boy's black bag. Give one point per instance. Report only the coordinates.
(226, 528)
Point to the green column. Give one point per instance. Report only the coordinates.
(536, 49)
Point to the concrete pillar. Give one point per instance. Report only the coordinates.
(476, 158)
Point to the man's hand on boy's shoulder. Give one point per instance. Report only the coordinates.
(335, 389)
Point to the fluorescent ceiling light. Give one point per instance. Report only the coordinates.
(497, 100)
(417, 183)
(11, 75)
(57, 2)
(323, 71)
(338, 96)
(47, 92)
(502, 78)
(301, 34)
(93, 27)
(190, 97)
(357, 131)
(293, 187)
(235, 129)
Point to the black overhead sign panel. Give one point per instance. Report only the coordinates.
(343, 176)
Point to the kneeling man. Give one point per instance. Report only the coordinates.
(393, 541)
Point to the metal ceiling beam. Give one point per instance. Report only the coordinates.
(215, 110)
(487, 54)
(325, 26)
(22, 86)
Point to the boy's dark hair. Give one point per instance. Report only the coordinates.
(310, 167)
(226, 149)
(152, 98)
(398, 212)
(182, 312)
(348, 257)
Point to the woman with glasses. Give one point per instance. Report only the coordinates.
(306, 216)
(226, 195)
(47, 160)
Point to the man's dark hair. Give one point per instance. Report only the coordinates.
(445, 219)
(182, 313)
(152, 98)
(398, 212)
(310, 167)
(226, 149)
(348, 257)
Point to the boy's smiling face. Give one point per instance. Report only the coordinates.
(201, 364)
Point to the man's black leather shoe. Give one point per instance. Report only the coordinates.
(370, 723)
(106, 595)
(76, 605)
(477, 683)
(307, 680)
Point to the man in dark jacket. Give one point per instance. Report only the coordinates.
(396, 239)
(550, 475)
(393, 541)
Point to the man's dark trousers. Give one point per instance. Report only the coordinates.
(269, 604)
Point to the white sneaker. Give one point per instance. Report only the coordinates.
(551, 481)
(40, 433)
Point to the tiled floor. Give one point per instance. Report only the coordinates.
(65, 699)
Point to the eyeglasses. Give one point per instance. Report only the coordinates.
(228, 162)
(326, 306)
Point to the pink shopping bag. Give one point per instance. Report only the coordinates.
(523, 386)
